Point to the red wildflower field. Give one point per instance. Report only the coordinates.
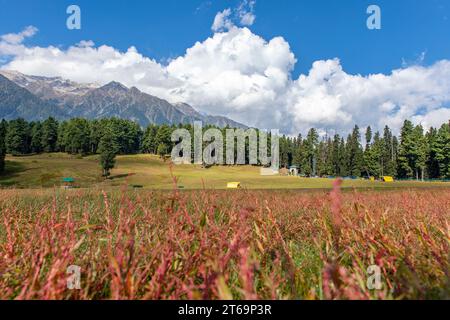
(224, 245)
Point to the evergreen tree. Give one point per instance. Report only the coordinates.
(310, 144)
(417, 155)
(335, 155)
(420, 152)
(395, 147)
(321, 158)
(378, 164)
(17, 137)
(406, 160)
(285, 152)
(108, 151)
(162, 150)
(60, 143)
(368, 136)
(36, 137)
(433, 169)
(127, 134)
(373, 157)
(163, 139)
(324, 159)
(3, 129)
(343, 169)
(369, 161)
(149, 141)
(442, 150)
(76, 137)
(96, 129)
(49, 135)
(329, 161)
(297, 152)
(389, 153)
(355, 153)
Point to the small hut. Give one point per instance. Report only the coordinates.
(234, 185)
(68, 183)
(293, 170)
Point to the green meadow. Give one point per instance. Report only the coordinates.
(150, 172)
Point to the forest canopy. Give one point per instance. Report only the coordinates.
(416, 154)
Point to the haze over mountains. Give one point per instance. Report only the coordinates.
(37, 98)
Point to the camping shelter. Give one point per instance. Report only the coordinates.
(68, 182)
(293, 170)
(233, 185)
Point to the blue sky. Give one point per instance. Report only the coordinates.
(315, 29)
(290, 64)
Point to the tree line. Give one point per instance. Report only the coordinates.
(415, 154)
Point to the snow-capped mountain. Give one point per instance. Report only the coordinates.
(65, 99)
(17, 102)
(116, 100)
(54, 89)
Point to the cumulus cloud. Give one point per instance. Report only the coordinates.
(243, 15)
(86, 63)
(246, 12)
(434, 118)
(236, 69)
(11, 43)
(222, 21)
(239, 74)
(331, 97)
(17, 38)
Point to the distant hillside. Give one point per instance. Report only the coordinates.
(17, 102)
(37, 98)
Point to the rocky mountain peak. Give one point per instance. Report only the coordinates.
(114, 85)
(64, 99)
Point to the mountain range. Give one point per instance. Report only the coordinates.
(37, 98)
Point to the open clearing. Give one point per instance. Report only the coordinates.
(150, 172)
(215, 244)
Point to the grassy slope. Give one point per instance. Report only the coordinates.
(47, 170)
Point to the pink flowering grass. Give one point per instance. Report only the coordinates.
(224, 245)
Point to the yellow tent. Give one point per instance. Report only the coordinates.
(387, 179)
(234, 185)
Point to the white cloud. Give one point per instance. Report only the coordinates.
(222, 21)
(248, 19)
(420, 59)
(84, 43)
(241, 75)
(17, 38)
(243, 15)
(337, 100)
(434, 118)
(85, 63)
(236, 70)
(246, 12)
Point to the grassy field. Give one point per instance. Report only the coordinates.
(215, 244)
(150, 172)
(278, 244)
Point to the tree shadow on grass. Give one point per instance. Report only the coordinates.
(120, 176)
(12, 171)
